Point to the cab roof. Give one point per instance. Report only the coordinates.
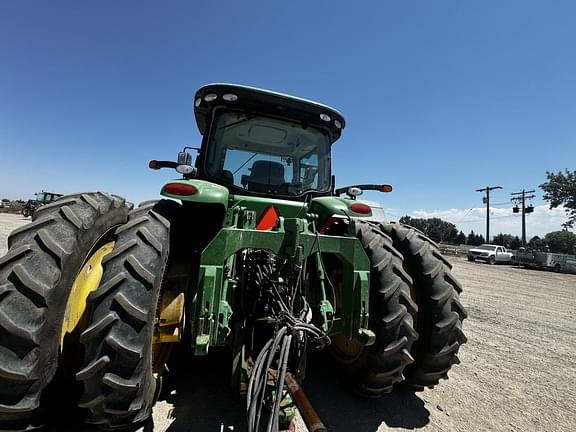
(251, 99)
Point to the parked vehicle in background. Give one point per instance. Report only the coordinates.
(490, 253)
(42, 198)
(560, 263)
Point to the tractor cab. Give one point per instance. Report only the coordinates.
(257, 142)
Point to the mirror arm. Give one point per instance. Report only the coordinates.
(375, 187)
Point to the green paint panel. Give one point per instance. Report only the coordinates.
(287, 209)
(208, 192)
(293, 239)
(325, 207)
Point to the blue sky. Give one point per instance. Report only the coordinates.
(440, 97)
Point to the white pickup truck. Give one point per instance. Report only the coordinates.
(490, 253)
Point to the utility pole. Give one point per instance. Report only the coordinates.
(520, 198)
(487, 190)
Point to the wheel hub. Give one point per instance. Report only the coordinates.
(167, 329)
(86, 281)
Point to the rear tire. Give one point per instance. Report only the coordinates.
(36, 277)
(440, 313)
(373, 370)
(120, 388)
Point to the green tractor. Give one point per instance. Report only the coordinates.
(252, 249)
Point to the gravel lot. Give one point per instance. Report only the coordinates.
(518, 370)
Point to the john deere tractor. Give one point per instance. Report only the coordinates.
(252, 249)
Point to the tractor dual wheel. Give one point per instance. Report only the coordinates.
(440, 313)
(44, 281)
(373, 370)
(126, 346)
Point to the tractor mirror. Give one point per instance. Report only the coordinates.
(184, 158)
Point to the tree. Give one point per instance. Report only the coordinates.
(560, 189)
(461, 238)
(561, 242)
(502, 239)
(536, 243)
(515, 243)
(419, 224)
(435, 228)
(474, 239)
(508, 240)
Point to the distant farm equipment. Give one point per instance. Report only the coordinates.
(560, 263)
(42, 198)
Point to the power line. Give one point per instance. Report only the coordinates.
(480, 220)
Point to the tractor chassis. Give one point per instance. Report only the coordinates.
(296, 240)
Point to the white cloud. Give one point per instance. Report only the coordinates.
(542, 221)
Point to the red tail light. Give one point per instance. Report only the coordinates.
(180, 189)
(269, 219)
(361, 208)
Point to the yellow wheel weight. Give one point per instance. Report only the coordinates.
(349, 347)
(86, 281)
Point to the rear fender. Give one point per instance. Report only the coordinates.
(326, 207)
(207, 192)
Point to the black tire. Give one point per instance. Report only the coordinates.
(375, 370)
(119, 386)
(440, 313)
(471, 259)
(26, 212)
(492, 260)
(43, 260)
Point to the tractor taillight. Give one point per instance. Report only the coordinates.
(180, 189)
(269, 219)
(361, 208)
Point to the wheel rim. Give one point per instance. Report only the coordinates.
(86, 281)
(167, 329)
(349, 348)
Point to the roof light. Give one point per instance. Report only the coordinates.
(325, 117)
(197, 102)
(180, 189)
(230, 97)
(386, 188)
(338, 124)
(210, 97)
(361, 208)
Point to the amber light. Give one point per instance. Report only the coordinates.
(180, 189)
(153, 164)
(386, 188)
(361, 208)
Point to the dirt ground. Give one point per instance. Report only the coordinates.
(518, 370)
